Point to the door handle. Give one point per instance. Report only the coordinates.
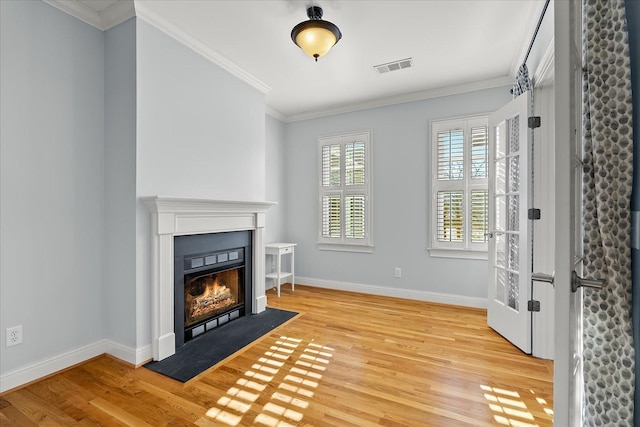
(579, 282)
(492, 233)
(541, 277)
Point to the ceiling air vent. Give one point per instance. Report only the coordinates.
(395, 65)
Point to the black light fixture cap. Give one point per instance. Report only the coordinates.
(314, 12)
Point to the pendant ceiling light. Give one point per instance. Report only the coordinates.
(315, 37)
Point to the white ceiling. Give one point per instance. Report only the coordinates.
(453, 43)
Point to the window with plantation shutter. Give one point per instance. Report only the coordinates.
(479, 216)
(450, 216)
(345, 192)
(459, 187)
(331, 215)
(450, 155)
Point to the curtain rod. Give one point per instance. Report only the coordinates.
(535, 33)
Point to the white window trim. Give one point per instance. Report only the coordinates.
(458, 253)
(344, 244)
(466, 249)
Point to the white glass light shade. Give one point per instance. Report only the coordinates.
(316, 42)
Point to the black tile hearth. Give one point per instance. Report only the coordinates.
(203, 352)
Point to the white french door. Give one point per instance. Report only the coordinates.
(568, 371)
(510, 238)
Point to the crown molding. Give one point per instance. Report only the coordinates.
(197, 46)
(535, 10)
(122, 10)
(544, 73)
(401, 99)
(108, 18)
(78, 10)
(270, 111)
(117, 13)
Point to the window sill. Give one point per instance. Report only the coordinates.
(345, 248)
(458, 253)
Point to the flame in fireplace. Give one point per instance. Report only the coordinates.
(204, 297)
(212, 287)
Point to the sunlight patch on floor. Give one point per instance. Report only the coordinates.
(266, 420)
(310, 365)
(545, 405)
(263, 368)
(283, 409)
(510, 409)
(251, 384)
(298, 390)
(303, 404)
(224, 416)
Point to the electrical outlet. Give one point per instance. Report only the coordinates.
(398, 272)
(14, 336)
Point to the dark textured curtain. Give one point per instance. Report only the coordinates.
(608, 353)
(522, 83)
(633, 29)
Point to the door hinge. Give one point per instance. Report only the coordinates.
(534, 213)
(533, 305)
(534, 122)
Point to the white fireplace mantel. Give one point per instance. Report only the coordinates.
(179, 217)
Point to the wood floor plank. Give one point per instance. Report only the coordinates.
(348, 360)
(38, 410)
(59, 392)
(119, 413)
(12, 416)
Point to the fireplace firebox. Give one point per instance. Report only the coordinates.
(212, 283)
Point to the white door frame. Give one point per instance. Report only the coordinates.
(565, 411)
(543, 322)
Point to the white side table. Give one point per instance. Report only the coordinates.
(278, 250)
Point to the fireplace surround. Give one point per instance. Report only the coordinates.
(171, 217)
(212, 281)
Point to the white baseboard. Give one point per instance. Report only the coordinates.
(63, 361)
(451, 299)
(127, 353)
(261, 304)
(47, 367)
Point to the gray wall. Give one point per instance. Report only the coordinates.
(401, 192)
(276, 173)
(119, 294)
(90, 121)
(51, 182)
(200, 133)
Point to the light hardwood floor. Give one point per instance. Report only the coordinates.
(348, 359)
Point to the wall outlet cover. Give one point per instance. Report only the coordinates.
(14, 335)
